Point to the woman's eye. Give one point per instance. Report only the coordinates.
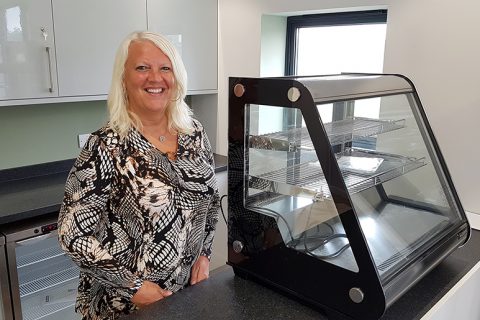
(165, 69)
(141, 68)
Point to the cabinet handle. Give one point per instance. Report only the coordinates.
(37, 239)
(49, 69)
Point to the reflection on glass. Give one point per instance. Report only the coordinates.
(397, 191)
(411, 203)
(14, 25)
(286, 182)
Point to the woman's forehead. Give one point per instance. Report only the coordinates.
(145, 49)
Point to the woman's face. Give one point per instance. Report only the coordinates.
(148, 79)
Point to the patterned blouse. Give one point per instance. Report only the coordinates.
(130, 214)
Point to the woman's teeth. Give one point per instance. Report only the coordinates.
(159, 90)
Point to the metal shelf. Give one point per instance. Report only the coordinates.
(58, 273)
(38, 256)
(308, 179)
(41, 312)
(338, 132)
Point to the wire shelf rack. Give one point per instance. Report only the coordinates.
(40, 279)
(38, 256)
(338, 132)
(308, 178)
(46, 311)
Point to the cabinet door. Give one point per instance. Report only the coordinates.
(192, 25)
(87, 35)
(27, 54)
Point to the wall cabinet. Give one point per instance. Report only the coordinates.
(194, 31)
(75, 63)
(86, 40)
(27, 50)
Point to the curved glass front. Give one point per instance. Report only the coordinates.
(394, 178)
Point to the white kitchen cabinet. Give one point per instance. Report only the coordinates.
(72, 58)
(192, 26)
(27, 52)
(87, 34)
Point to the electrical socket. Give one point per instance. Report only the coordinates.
(82, 139)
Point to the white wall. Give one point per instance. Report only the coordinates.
(288, 7)
(272, 43)
(239, 28)
(434, 42)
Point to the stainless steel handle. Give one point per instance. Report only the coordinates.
(36, 239)
(49, 69)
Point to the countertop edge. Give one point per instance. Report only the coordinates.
(239, 299)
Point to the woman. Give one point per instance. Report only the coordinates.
(141, 200)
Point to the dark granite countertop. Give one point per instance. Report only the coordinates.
(221, 162)
(227, 297)
(32, 191)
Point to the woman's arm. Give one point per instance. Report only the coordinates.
(212, 211)
(87, 191)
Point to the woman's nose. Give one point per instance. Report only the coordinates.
(155, 75)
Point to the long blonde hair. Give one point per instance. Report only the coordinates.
(179, 114)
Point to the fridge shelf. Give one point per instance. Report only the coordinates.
(38, 256)
(338, 132)
(49, 310)
(34, 282)
(307, 179)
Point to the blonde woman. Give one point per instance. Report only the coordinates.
(141, 201)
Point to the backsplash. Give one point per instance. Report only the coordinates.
(33, 134)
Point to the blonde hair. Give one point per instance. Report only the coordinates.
(179, 114)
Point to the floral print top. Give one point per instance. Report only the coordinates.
(131, 214)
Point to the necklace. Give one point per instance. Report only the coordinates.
(162, 138)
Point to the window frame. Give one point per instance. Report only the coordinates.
(294, 23)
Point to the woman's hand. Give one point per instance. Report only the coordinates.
(148, 293)
(200, 270)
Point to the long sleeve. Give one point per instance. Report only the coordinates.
(212, 213)
(86, 196)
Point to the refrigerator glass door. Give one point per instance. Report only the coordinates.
(47, 279)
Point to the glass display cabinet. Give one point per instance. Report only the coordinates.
(338, 192)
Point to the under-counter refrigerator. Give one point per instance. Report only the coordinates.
(43, 280)
(5, 302)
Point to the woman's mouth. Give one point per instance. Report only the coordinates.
(154, 90)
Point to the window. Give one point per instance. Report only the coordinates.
(334, 43)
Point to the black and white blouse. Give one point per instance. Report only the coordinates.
(131, 214)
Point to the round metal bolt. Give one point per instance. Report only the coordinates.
(238, 90)
(356, 294)
(293, 94)
(237, 246)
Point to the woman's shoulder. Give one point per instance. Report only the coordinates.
(197, 126)
(107, 136)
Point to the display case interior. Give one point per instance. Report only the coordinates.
(337, 182)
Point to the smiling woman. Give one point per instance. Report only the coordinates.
(141, 201)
